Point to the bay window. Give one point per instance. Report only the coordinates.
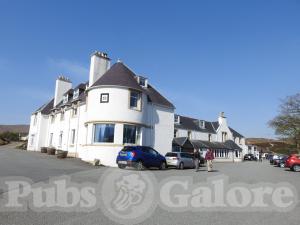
(131, 134)
(104, 133)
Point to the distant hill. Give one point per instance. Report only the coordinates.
(278, 146)
(19, 128)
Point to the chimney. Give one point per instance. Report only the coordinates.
(100, 63)
(222, 119)
(62, 85)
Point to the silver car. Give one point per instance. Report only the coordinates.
(180, 160)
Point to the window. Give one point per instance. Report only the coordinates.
(209, 137)
(190, 134)
(52, 118)
(224, 136)
(74, 111)
(65, 99)
(131, 134)
(177, 119)
(51, 139)
(104, 98)
(135, 100)
(76, 94)
(62, 115)
(202, 124)
(104, 133)
(143, 81)
(175, 133)
(73, 135)
(60, 138)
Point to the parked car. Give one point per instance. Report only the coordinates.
(180, 160)
(272, 158)
(281, 162)
(140, 157)
(277, 160)
(293, 162)
(250, 157)
(269, 156)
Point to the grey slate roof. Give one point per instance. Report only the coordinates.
(46, 108)
(120, 75)
(234, 132)
(232, 145)
(207, 144)
(188, 123)
(182, 142)
(117, 75)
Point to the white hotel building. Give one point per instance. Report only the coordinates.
(117, 107)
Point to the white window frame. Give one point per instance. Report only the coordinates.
(51, 139)
(76, 94)
(73, 136)
(139, 100)
(60, 138)
(176, 119)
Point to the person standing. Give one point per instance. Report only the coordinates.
(196, 159)
(209, 157)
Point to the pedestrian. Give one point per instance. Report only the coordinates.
(209, 157)
(196, 159)
(260, 156)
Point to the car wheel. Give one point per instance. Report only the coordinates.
(181, 166)
(140, 165)
(296, 168)
(163, 166)
(121, 166)
(282, 165)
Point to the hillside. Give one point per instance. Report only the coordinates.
(19, 128)
(277, 146)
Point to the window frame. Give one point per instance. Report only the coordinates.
(94, 133)
(73, 136)
(138, 106)
(103, 95)
(138, 134)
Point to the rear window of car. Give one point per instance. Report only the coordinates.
(128, 148)
(186, 155)
(171, 154)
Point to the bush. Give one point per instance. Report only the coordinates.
(9, 136)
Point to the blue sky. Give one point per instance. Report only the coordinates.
(240, 57)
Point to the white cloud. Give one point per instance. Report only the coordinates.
(69, 68)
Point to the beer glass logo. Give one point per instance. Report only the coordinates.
(127, 196)
(130, 191)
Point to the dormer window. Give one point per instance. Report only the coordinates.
(76, 94)
(65, 99)
(142, 81)
(202, 124)
(177, 119)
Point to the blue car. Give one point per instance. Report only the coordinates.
(140, 157)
